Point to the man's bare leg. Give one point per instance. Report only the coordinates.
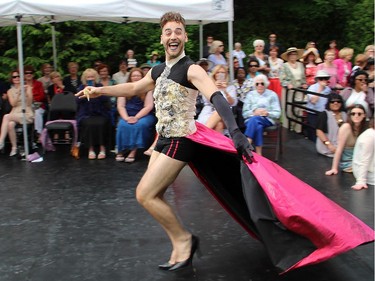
(161, 172)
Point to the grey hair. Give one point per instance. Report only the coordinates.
(264, 78)
(258, 42)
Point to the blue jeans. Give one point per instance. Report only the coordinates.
(255, 127)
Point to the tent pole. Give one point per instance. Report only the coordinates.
(200, 39)
(230, 48)
(22, 78)
(53, 24)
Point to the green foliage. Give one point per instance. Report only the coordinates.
(296, 22)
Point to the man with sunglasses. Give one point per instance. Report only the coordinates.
(315, 102)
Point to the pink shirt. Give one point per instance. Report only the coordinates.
(343, 71)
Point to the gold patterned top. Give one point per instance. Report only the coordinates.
(174, 102)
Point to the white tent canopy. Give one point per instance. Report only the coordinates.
(19, 12)
(41, 11)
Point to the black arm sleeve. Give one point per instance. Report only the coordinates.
(224, 110)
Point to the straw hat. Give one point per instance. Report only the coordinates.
(285, 55)
(313, 51)
(154, 53)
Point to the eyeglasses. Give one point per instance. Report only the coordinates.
(254, 65)
(15, 76)
(323, 78)
(361, 79)
(29, 72)
(335, 101)
(356, 113)
(261, 83)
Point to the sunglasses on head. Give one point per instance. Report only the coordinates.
(356, 113)
(260, 83)
(29, 72)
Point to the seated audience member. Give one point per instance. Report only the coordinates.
(4, 103)
(316, 102)
(16, 114)
(328, 124)
(122, 75)
(347, 136)
(363, 158)
(39, 98)
(93, 117)
(135, 128)
(220, 77)
(73, 79)
(260, 110)
(357, 92)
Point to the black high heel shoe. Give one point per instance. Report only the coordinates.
(188, 262)
(166, 266)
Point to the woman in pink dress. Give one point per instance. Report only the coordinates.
(344, 66)
(331, 68)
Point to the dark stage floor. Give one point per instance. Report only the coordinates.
(65, 219)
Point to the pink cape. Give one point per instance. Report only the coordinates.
(293, 208)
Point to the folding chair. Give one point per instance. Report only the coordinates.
(61, 105)
(273, 139)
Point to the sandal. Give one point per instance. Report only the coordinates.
(101, 155)
(149, 151)
(92, 155)
(120, 158)
(129, 159)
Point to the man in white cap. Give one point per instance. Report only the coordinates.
(317, 102)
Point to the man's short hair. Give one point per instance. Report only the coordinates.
(172, 16)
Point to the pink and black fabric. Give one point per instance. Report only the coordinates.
(297, 224)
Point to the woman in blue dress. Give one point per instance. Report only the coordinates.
(137, 121)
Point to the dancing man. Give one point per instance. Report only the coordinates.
(175, 84)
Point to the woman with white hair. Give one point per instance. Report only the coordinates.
(262, 58)
(216, 50)
(260, 110)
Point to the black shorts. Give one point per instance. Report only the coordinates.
(182, 149)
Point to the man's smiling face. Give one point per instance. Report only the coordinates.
(173, 38)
